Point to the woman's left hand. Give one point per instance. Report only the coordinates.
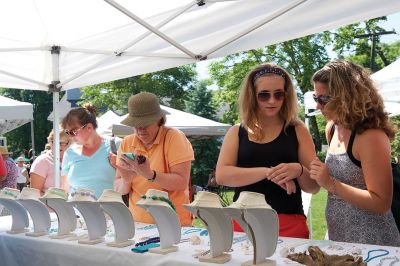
(284, 172)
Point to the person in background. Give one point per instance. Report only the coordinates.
(10, 179)
(86, 163)
(3, 169)
(168, 156)
(271, 150)
(42, 169)
(22, 178)
(357, 170)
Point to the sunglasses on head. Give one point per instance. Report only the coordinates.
(322, 99)
(264, 96)
(74, 132)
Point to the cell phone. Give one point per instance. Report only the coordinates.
(130, 155)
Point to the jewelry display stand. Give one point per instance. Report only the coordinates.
(29, 198)
(260, 222)
(56, 199)
(207, 207)
(85, 201)
(157, 203)
(20, 219)
(124, 226)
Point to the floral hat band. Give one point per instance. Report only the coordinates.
(269, 70)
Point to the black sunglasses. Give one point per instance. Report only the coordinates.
(322, 99)
(264, 96)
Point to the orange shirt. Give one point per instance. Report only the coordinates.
(173, 148)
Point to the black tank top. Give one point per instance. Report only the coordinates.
(283, 149)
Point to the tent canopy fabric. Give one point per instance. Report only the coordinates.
(190, 124)
(14, 114)
(388, 81)
(74, 43)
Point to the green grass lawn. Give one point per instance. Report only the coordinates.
(318, 203)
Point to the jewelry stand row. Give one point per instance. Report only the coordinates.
(254, 215)
(258, 220)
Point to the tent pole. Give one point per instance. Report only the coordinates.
(273, 16)
(152, 29)
(32, 139)
(55, 56)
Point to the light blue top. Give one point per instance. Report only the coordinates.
(89, 172)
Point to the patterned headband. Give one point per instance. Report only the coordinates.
(267, 70)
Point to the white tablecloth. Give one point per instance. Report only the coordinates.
(23, 250)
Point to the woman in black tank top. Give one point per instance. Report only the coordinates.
(270, 151)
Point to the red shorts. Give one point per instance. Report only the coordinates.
(290, 225)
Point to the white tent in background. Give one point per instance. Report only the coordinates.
(14, 114)
(388, 81)
(192, 125)
(63, 44)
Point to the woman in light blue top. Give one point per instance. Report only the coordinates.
(86, 164)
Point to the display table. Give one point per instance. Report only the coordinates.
(19, 249)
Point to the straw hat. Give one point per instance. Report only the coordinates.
(29, 193)
(154, 197)
(83, 195)
(204, 199)
(4, 150)
(144, 109)
(55, 193)
(9, 193)
(250, 200)
(110, 195)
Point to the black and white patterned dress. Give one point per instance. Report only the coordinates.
(347, 223)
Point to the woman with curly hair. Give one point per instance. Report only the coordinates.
(271, 150)
(357, 170)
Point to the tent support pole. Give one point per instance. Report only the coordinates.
(32, 139)
(273, 16)
(53, 87)
(151, 28)
(120, 51)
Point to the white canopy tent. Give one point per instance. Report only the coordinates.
(14, 114)
(388, 82)
(56, 45)
(190, 124)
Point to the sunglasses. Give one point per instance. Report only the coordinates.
(74, 132)
(266, 95)
(322, 99)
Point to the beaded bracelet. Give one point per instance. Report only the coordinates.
(332, 189)
(302, 169)
(62, 194)
(84, 193)
(5, 192)
(160, 198)
(148, 241)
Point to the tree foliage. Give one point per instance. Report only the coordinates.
(169, 85)
(206, 150)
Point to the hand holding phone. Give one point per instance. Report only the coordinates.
(129, 155)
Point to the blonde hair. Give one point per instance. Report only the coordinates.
(62, 134)
(248, 104)
(354, 99)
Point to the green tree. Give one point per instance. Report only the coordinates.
(19, 139)
(169, 85)
(206, 150)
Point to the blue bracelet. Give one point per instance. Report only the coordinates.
(368, 259)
